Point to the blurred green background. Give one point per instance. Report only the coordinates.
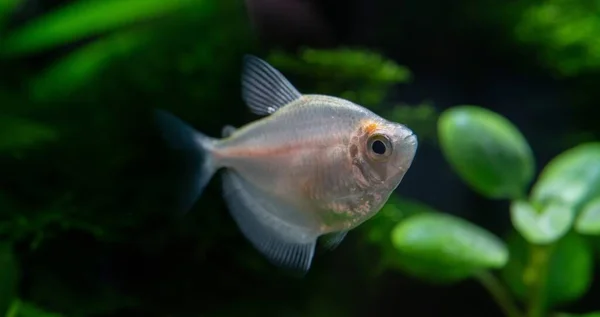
(86, 183)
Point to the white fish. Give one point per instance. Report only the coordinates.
(313, 166)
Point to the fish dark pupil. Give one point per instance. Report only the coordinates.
(378, 147)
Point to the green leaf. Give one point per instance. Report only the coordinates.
(9, 272)
(358, 75)
(6, 8)
(377, 230)
(588, 221)
(352, 63)
(24, 309)
(570, 254)
(19, 133)
(444, 248)
(487, 151)
(542, 227)
(571, 178)
(87, 18)
(82, 65)
(395, 210)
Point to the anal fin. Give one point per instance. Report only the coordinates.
(261, 218)
(333, 240)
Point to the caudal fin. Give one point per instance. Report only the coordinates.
(198, 148)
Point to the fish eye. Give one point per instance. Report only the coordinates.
(379, 146)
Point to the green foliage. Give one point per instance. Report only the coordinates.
(6, 8)
(334, 71)
(84, 64)
(493, 158)
(377, 231)
(440, 247)
(588, 221)
(24, 309)
(86, 18)
(487, 151)
(17, 133)
(82, 122)
(565, 33)
(570, 254)
(572, 178)
(544, 226)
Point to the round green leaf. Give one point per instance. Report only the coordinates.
(542, 227)
(444, 248)
(570, 254)
(377, 230)
(486, 150)
(588, 221)
(573, 177)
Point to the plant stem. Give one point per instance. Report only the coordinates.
(499, 293)
(538, 271)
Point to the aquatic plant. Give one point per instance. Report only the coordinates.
(554, 223)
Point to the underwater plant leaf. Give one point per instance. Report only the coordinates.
(572, 254)
(564, 34)
(545, 226)
(588, 221)
(82, 65)
(9, 272)
(361, 76)
(571, 178)
(23, 309)
(87, 18)
(6, 8)
(443, 247)
(395, 210)
(376, 232)
(352, 63)
(487, 151)
(355, 62)
(18, 133)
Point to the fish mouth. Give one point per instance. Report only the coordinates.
(408, 150)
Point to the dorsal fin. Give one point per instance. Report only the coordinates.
(265, 89)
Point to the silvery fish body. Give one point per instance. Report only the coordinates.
(314, 166)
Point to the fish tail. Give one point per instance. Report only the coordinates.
(199, 157)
